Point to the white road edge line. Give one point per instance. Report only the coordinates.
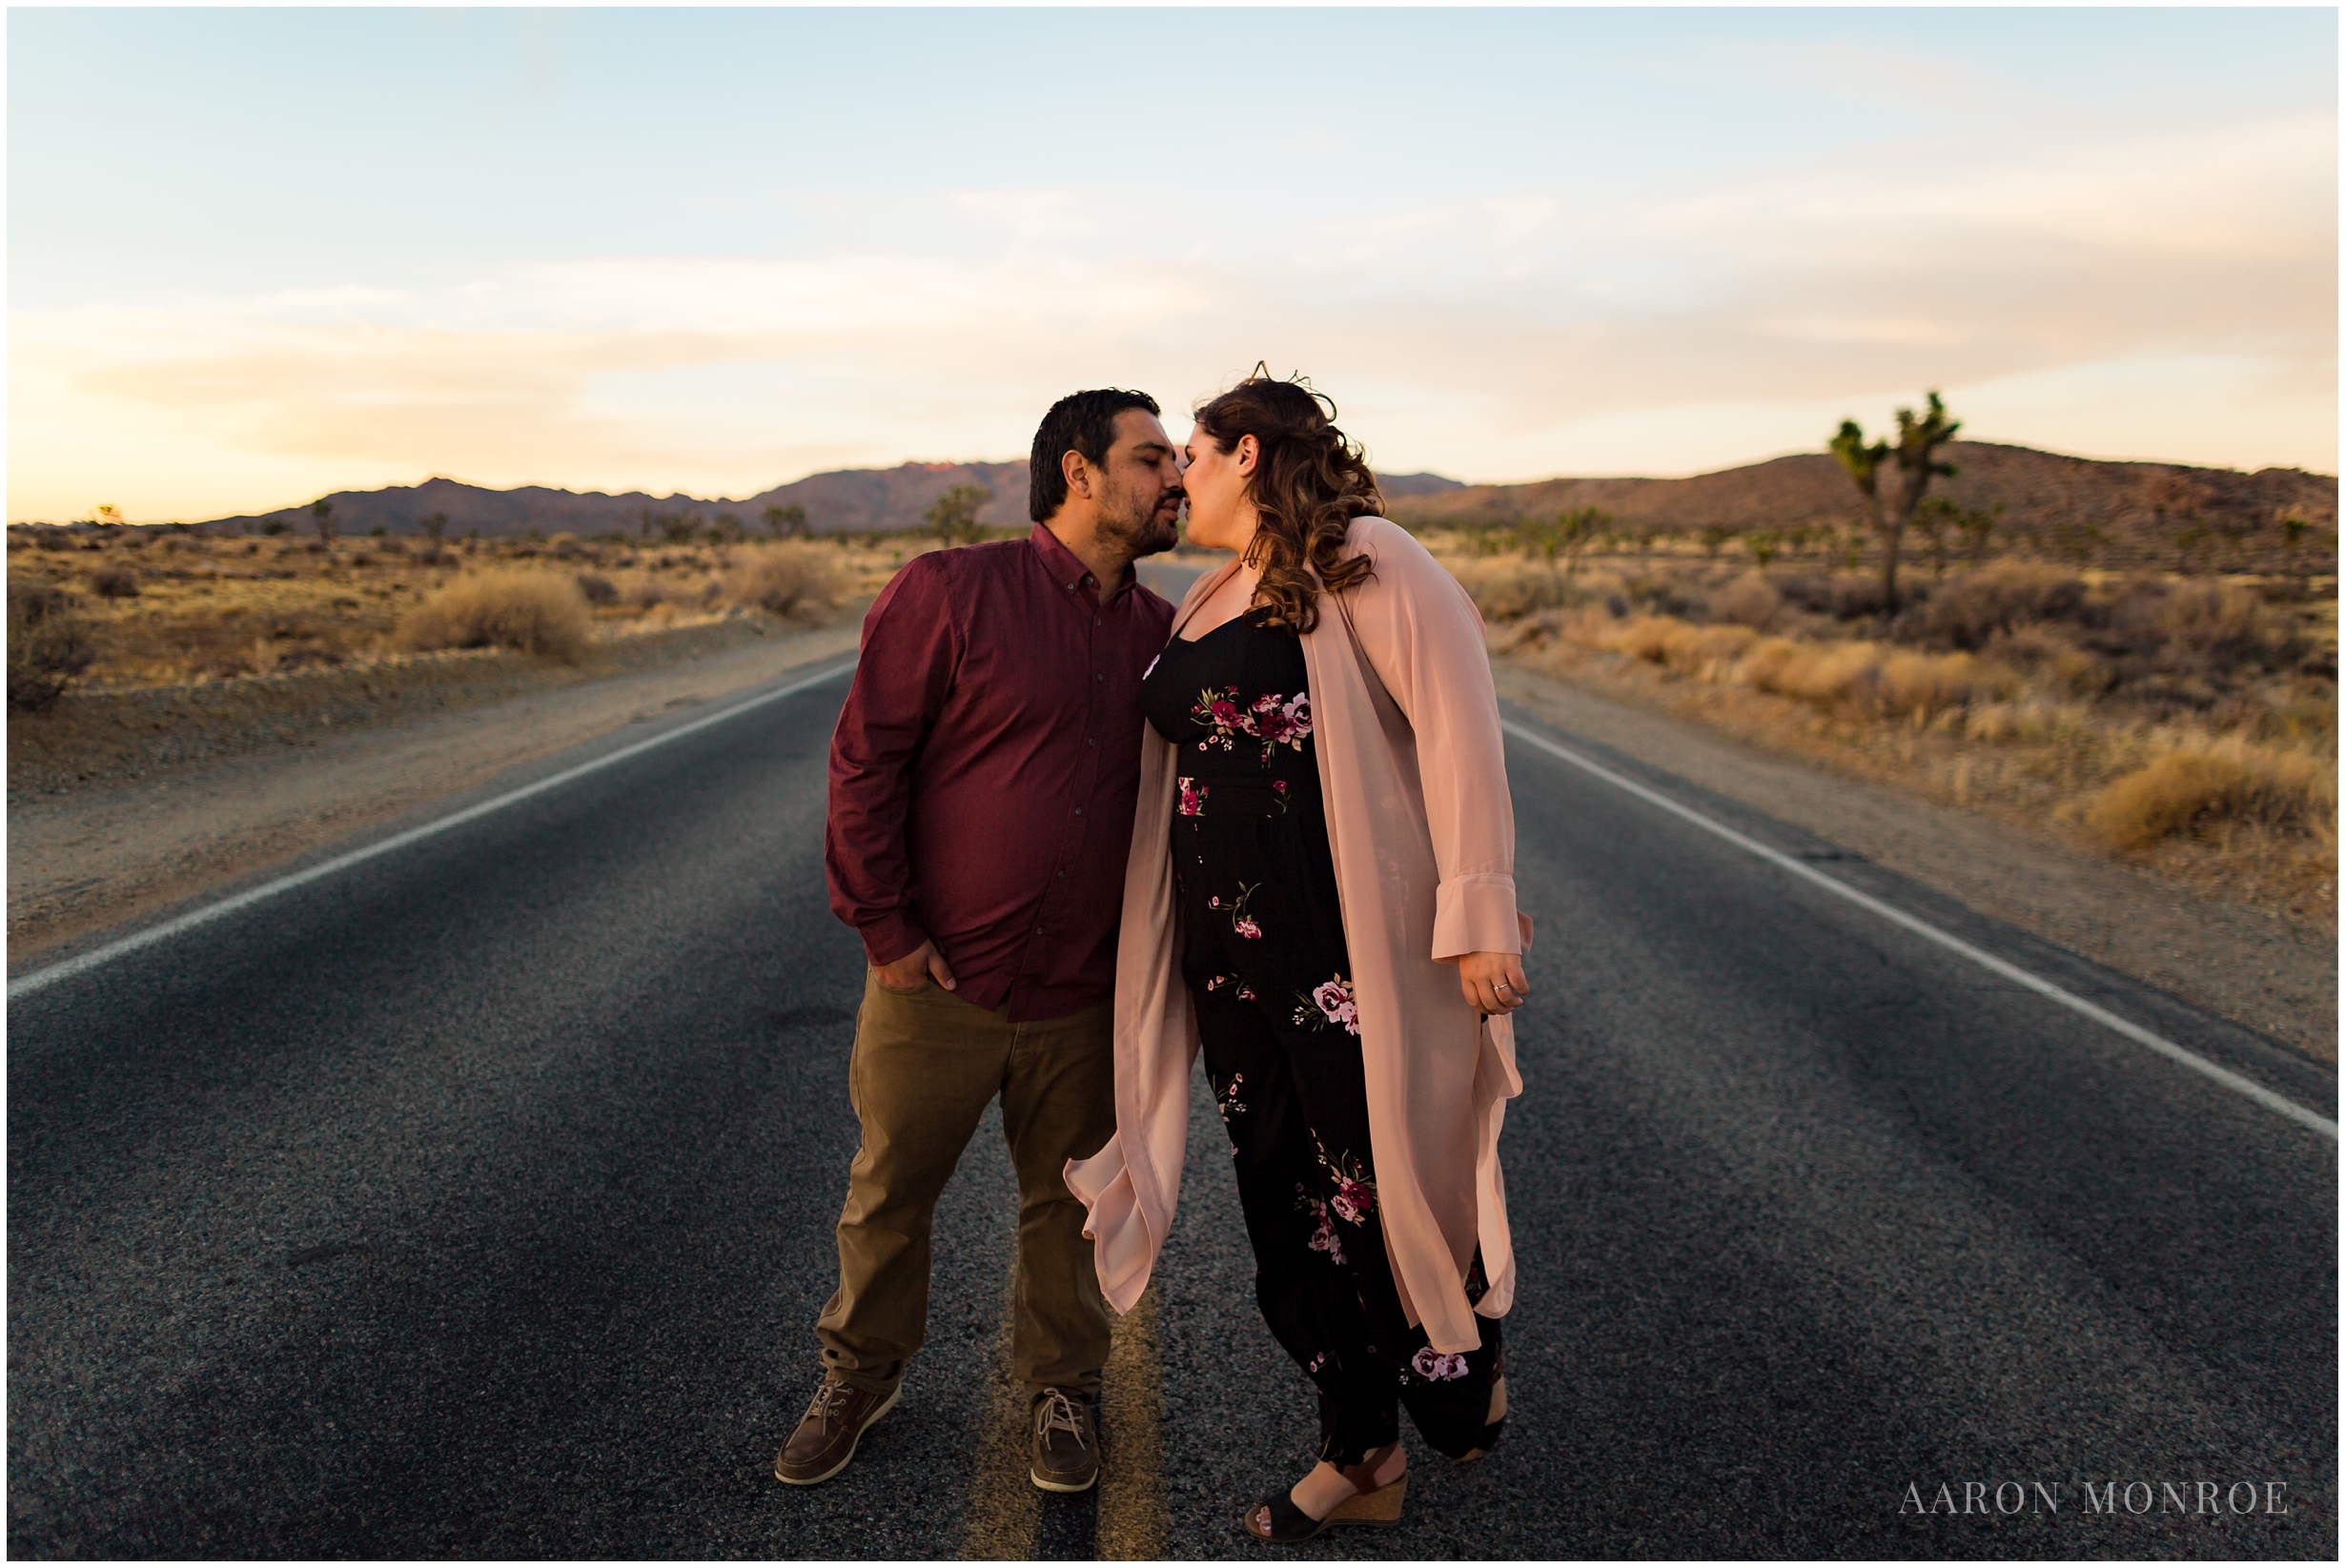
(38, 979)
(1923, 929)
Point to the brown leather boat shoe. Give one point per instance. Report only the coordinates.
(826, 1434)
(1065, 1447)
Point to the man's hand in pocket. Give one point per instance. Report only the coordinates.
(915, 970)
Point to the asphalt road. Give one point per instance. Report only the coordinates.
(474, 1200)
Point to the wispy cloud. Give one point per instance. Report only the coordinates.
(2125, 294)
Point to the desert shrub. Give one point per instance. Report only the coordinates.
(786, 578)
(530, 612)
(1924, 682)
(2047, 654)
(1705, 648)
(115, 582)
(1844, 597)
(647, 595)
(2222, 624)
(598, 589)
(1645, 637)
(1826, 673)
(48, 644)
(1970, 611)
(2186, 790)
(1763, 663)
(1507, 589)
(1665, 595)
(1749, 599)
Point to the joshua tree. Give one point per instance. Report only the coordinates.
(322, 519)
(1978, 527)
(954, 515)
(2293, 526)
(435, 528)
(787, 522)
(1566, 536)
(1916, 453)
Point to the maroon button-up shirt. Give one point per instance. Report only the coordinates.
(985, 769)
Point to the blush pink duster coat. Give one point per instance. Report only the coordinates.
(1413, 770)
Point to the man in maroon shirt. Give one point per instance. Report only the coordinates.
(983, 778)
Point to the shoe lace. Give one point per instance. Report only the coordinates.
(1056, 1413)
(830, 1400)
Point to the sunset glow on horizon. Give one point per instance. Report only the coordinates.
(285, 251)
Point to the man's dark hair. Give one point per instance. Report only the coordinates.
(1081, 421)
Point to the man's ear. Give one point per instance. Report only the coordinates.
(1078, 473)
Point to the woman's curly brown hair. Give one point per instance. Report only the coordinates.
(1307, 485)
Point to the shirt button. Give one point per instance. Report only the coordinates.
(1078, 811)
(1091, 742)
(1099, 675)
(1062, 876)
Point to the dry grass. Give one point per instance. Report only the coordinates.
(800, 579)
(2189, 723)
(216, 608)
(534, 613)
(2200, 792)
(48, 644)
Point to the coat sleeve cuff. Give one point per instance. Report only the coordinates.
(1475, 914)
(890, 937)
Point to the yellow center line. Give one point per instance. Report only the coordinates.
(1004, 1506)
(1131, 1523)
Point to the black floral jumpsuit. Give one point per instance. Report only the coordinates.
(1267, 967)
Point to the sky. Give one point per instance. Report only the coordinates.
(256, 255)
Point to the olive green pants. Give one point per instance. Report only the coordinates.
(925, 1068)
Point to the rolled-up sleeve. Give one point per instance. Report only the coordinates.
(1424, 636)
(911, 646)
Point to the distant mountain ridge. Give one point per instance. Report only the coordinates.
(851, 499)
(2121, 515)
(2117, 514)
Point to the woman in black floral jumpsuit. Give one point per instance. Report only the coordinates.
(1267, 969)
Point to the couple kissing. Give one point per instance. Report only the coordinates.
(1085, 835)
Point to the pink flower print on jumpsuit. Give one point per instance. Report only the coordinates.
(1323, 1239)
(1192, 798)
(1328, 1003)
(1356, 1196)
(1229, 1102)
(1218, 709)
(1240, 921)
(1280, 721)
(1434, 1366)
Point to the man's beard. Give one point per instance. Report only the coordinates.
(1135, 532)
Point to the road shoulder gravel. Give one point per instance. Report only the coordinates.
(2253, 967)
